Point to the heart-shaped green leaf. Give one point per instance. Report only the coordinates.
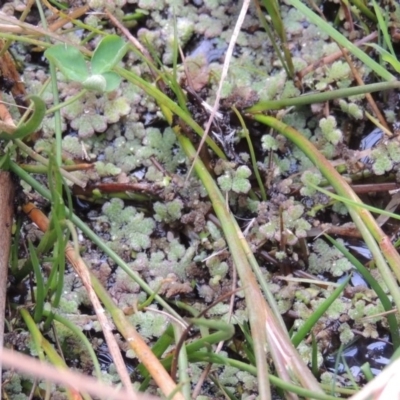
(69, 61)
(108, 53)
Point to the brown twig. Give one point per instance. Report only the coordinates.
(333, 57)
(6, 217)
(224, 73)
(368, 96)
(82, 383)
(80, 267)
(134, 340)
(9, 71)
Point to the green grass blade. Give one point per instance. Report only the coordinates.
(317, 314)
(58, 212)
(383, 27)
(34, 331)
(354, 203)
(78, 333)
(161, 345)
(289, 387)
(228, 393)
(248, 345)
(312, 98)
(366, 370)
(364, 9)
(272, 7)
(314, 356)
(338, 357)
(40, 291)
(265, 25)
(386, 303)
(252, 154)
(343, 41)
(33, 123)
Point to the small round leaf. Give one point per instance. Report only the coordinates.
(95, 83)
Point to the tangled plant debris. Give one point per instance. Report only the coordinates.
(163, 225)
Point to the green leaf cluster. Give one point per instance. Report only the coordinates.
(328, 259)
(237, 181)
(329, 131)
(169, 211)
(128, 226)
(70, 61)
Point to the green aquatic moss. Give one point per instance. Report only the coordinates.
(268, 142)
(127, 225)
(329, 131)
(326, 258)
(382, 163)
(346, 333)
(237, 181)
(169, 211)
(106, 169)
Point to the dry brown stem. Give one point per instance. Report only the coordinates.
(134, 340)
(82, 383)
(6, 217)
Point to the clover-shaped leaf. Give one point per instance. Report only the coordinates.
(69, 60)
(108, 53)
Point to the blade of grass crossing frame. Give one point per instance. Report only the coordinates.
(270, 35)
(383, 27)
(317, 314)
(353, 203)
(78, 332)
(57, 217)
(272, 7)
(342, 40)
(172, 79)
(366, 370)
(228, 394)
(364, 9)
(201, 356)
(338, 357)
(252, 153)
(40, 291)
(161, 345)
(248, 345)
(386, 303)
(314, 356)
(349, 373)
